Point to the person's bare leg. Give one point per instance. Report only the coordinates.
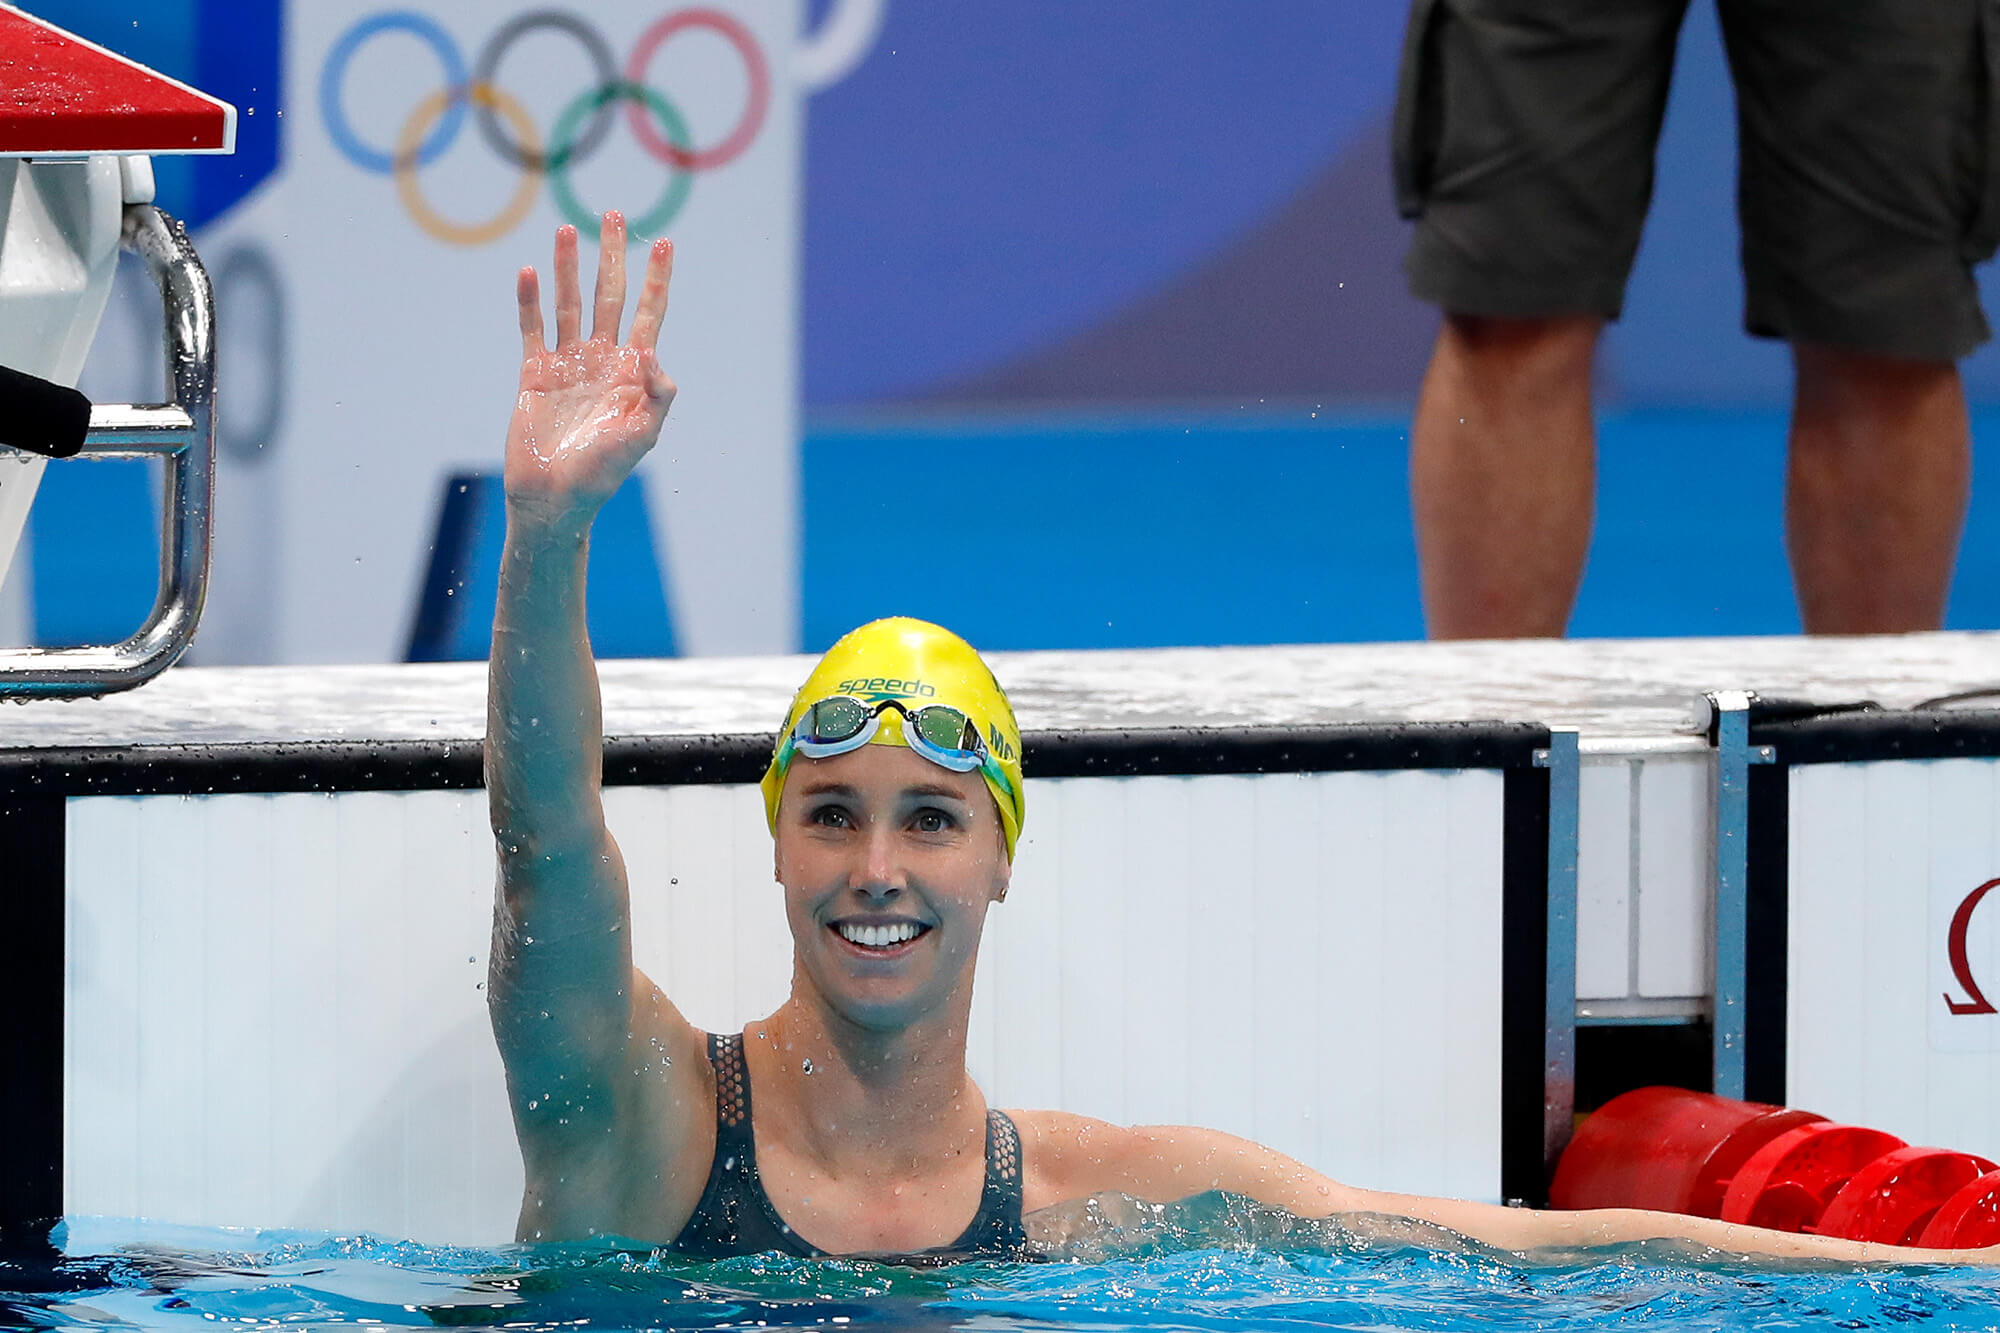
(1503, 475)
(1881, 462)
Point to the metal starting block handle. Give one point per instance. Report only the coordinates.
(43, 417)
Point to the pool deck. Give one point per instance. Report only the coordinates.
(1621, 693)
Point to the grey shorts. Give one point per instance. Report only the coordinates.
(1867, 185)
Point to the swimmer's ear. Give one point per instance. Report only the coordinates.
(1000, 882)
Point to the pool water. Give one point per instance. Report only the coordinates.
(1213, 1264)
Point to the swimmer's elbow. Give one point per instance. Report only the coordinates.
(533, 851)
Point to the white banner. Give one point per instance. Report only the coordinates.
(366, 300)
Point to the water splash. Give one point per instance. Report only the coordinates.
(1217, 1263)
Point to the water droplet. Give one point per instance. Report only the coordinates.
(805, 1066)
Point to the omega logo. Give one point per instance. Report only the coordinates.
(1961, 966)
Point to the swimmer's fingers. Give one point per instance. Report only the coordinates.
(652, 307)
(569, 298)
(528, 295)
(610, 277)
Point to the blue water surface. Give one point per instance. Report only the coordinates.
(1236, 1272)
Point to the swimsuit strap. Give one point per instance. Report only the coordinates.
(996, 1230)
(735, 1216)
(732, 1087)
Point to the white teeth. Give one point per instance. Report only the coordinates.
(879, 937)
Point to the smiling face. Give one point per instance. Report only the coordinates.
(889, 863)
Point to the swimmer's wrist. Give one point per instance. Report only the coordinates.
(548, 522)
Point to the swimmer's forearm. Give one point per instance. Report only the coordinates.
(1526, 1229)
(561, 967)
(1611, 1226)
(544, 720)
(1163, 1163)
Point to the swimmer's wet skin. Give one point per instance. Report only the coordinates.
(895, 800)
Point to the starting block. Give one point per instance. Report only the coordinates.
(78, 126)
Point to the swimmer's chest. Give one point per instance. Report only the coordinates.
(911, 1207)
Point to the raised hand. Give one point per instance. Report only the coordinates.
(589, 408)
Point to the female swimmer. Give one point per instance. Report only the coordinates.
(895, 800)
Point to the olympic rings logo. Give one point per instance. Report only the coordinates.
(434, 123)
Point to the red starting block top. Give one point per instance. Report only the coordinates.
(63, 96)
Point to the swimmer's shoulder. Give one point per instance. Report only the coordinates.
(1066, 1156)
(627, 1152)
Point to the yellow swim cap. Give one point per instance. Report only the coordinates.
(916, 664)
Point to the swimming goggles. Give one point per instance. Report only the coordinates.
(938, 732)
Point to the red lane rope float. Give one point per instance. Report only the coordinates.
(1668, 1149)
(1789, 1181)
(1680, 1151)
(1969, 1219)
(1893, 1198)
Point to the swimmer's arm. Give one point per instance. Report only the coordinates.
(1538, 1229)
(588, 410)
(1070, 1157)
(560, 944)
(568, 1007)
(561, 962)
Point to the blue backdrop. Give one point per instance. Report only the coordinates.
(1132, 273)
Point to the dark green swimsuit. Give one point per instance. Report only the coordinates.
(735, 1215)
